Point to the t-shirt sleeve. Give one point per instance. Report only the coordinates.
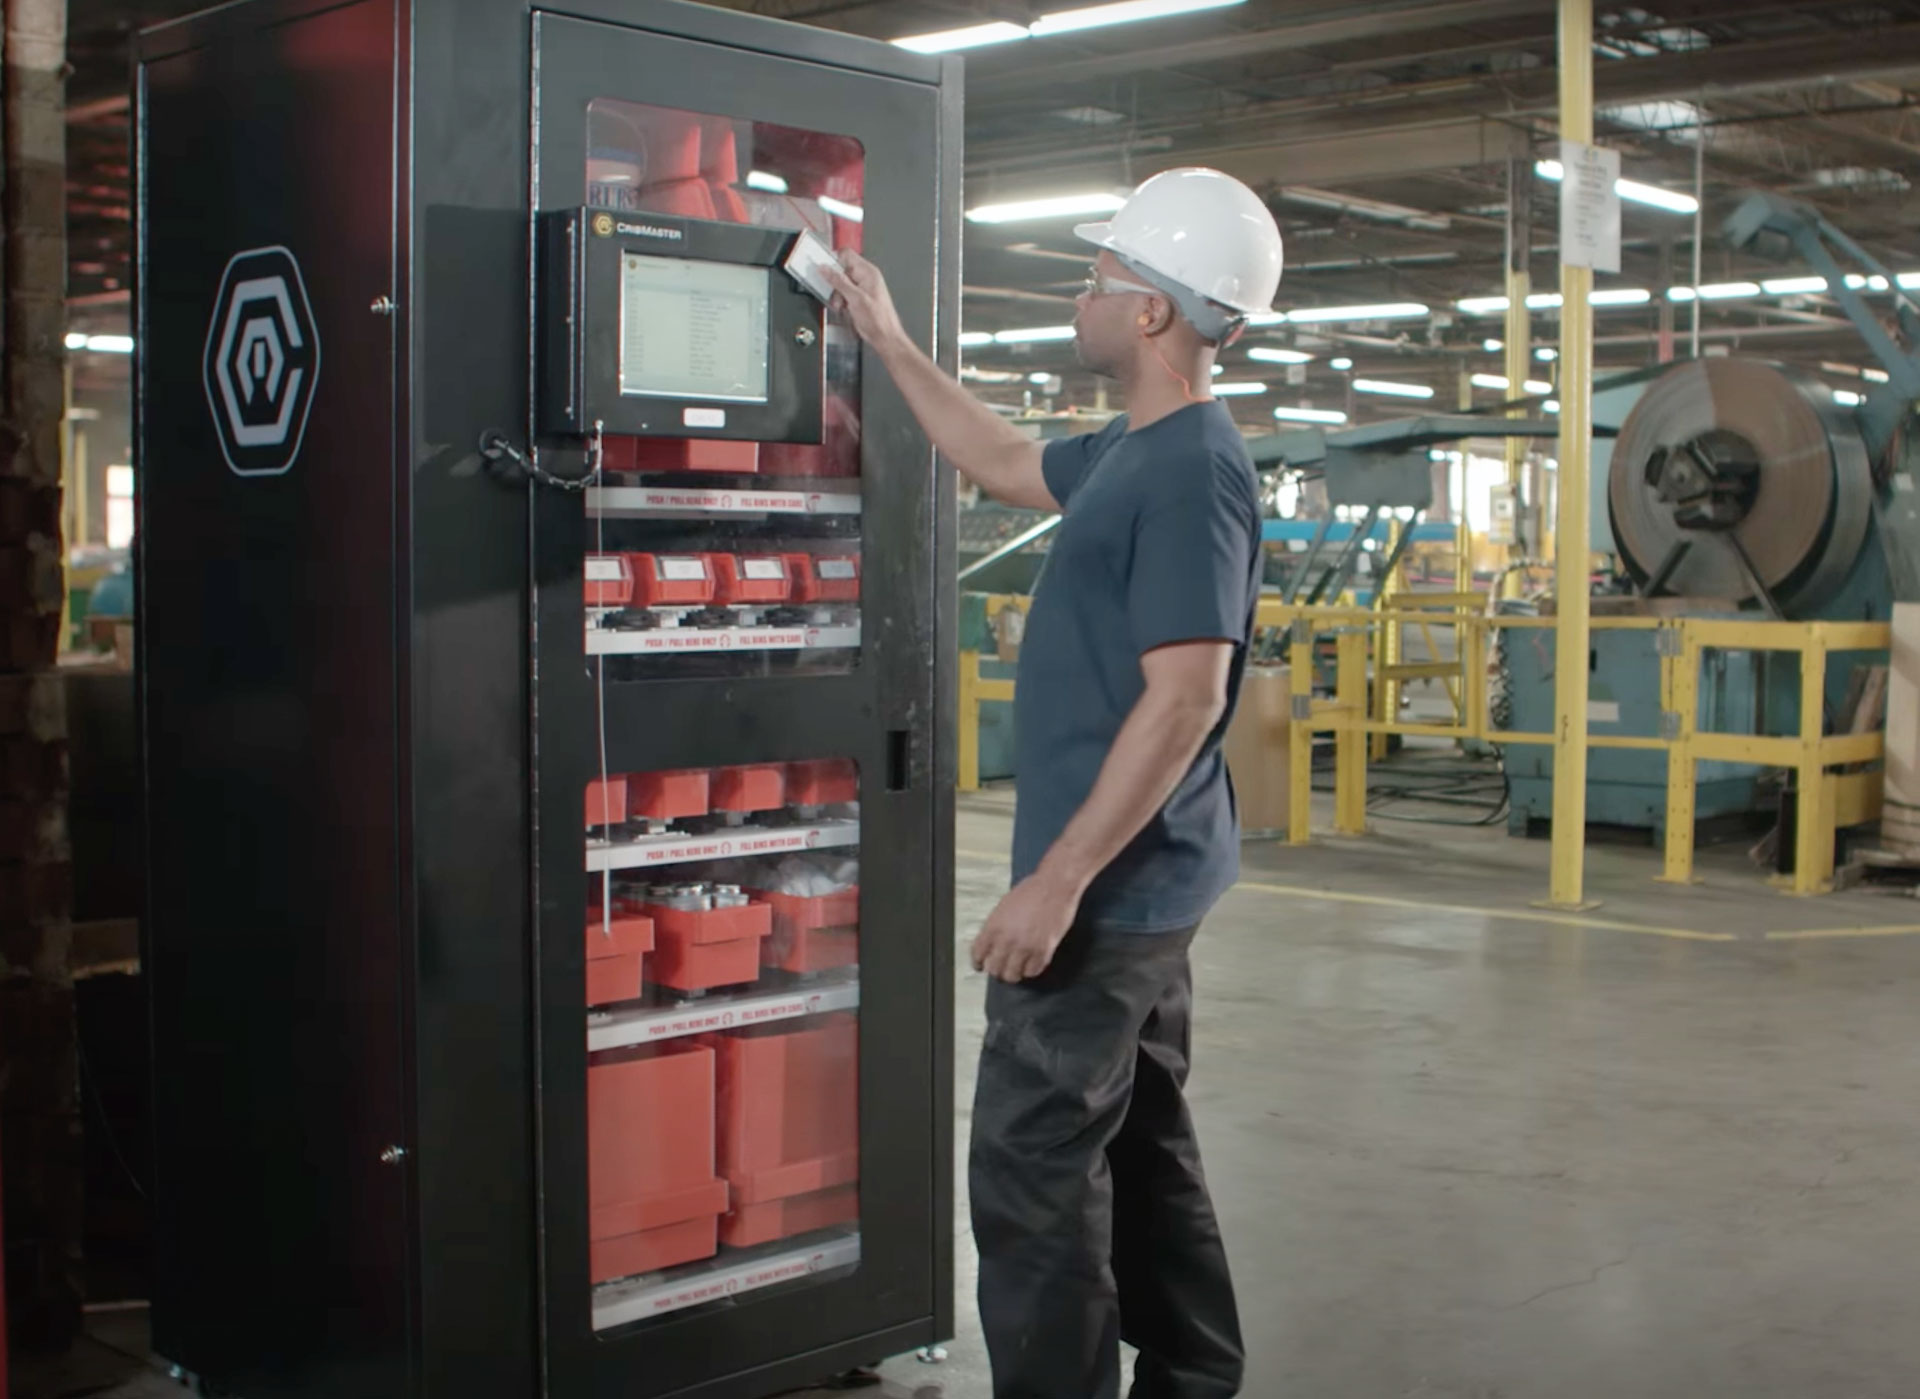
(1193, 562)
(1065, 461)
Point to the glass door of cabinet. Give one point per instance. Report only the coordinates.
(742, 1144)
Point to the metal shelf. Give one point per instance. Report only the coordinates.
(637, 502)
(650, 852)
(619, 1029)
(637, 1299)
(663, 641)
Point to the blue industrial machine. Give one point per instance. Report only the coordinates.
(1744, 484)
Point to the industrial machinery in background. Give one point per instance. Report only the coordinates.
(545, 633)
(1739, 487)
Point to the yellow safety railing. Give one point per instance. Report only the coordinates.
(974, 692)
(1826, 800)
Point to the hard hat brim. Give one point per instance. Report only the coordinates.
(1098, 234)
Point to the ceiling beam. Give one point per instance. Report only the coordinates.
(1350, 24)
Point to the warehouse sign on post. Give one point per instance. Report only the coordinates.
(1589, 206)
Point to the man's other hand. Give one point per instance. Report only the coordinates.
(862, 290)
(1025, 929)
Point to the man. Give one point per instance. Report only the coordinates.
(1089, 1206)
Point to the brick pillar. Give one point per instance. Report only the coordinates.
(39, 1075)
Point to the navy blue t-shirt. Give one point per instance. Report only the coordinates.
(1160, 544)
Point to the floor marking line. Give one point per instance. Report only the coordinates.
(1517, 915)
(1521, 915)
(1889, 930)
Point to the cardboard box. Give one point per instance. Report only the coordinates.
(1256, 747)
(1902, 789)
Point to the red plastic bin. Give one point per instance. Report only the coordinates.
(747, 578)
(606, 802)
(762, 787)
(679, 454)
(616, 955)
(813, 934)
(789, 1120)
(696, 950)
(654, 1195)
(823, 782)
(608, 580)
(825, 578)
(782, 1219)
(669, 796)
(672, 580)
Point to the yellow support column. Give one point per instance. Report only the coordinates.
(1300, 736)
(1571, 636)
(969, 774)
(1812, 824)
(1386, 646)
(1679, 687)
(1350, 738)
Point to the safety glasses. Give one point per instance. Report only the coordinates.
(1099, 284)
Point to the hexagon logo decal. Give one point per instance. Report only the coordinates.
(262, 362)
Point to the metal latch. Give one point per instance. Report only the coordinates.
(1302, 708)
(1670, 725)
(1666, 641)
(1302, 632)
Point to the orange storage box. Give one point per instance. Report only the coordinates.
(679, 454)
(697, 950)
(608, 580)
(747, 789)
(616, 954)
(746, 578)
(813, 934)
(606, 802)
(655, 1198)
(782, 1219)
(825, 578)
(669, 796)
(672, 580)
(789, 1123)
(822, 782)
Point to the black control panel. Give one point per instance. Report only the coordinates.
(654, 326)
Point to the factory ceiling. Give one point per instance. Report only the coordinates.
(1388, 137)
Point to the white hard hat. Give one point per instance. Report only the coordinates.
(1202, 231)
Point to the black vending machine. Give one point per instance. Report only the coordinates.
(544, 664)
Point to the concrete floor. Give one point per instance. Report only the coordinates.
(1467, 1149)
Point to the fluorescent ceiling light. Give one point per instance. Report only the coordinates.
(971, 338)
(1126, 12)
(1908, 280)
(76, 340)
(1033, 334)
(1240, 388)
(1499, 382)
(1059, 207)
(1546, 354)
(1620, 296)
(1874, 376)
(1392, 390)
(1715, 291)
(1266, 318)
(989, 376)
(1273, 356)
(1793, 286)
(104, 344)
(973, 36)
(1860, 283)
(760, 179)
(1384, 311)
(1848, 398)
(1342, 363)
(1039, 376)
(1218, 370)
(852, 213)
(1552, 405)
(1493, 347)
(1309, 415)
(1365, 208)
(1549, 300)
(1630, 190)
